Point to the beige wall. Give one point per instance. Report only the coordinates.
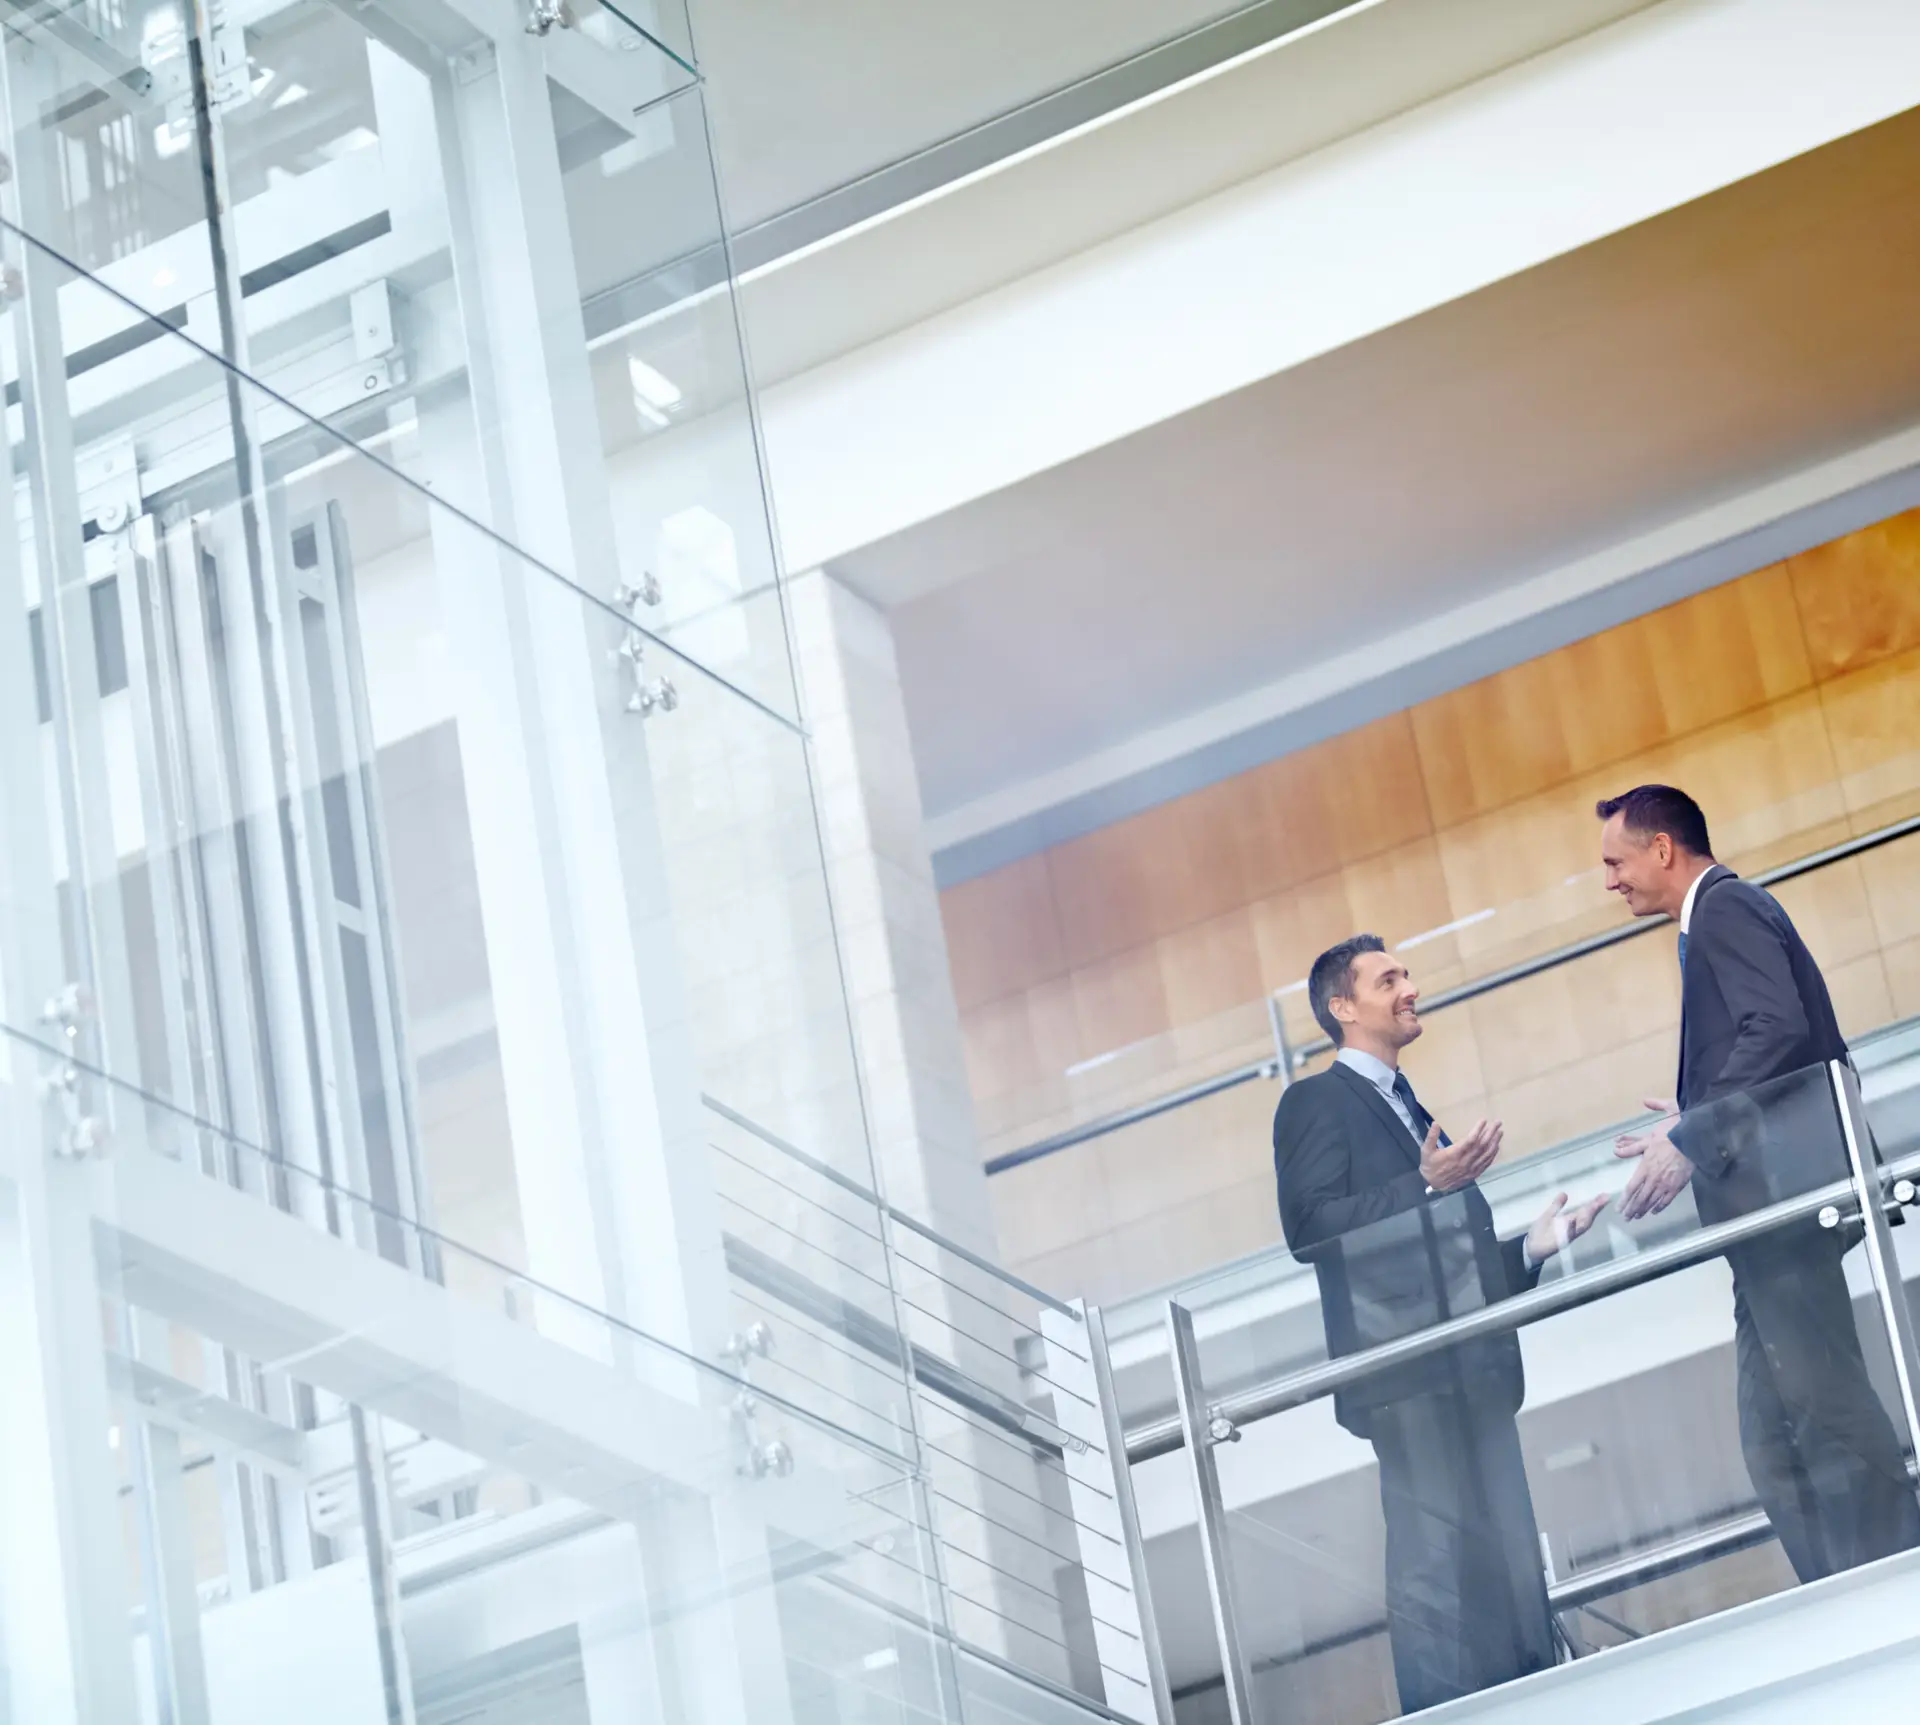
(1788, 702)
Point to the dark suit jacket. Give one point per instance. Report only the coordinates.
(1756, 1029)
(1390, 1258)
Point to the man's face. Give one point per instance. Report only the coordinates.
(1639, 869)
(1381, 1005)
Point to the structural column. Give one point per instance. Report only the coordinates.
(1001, 1552)
(596, 1046)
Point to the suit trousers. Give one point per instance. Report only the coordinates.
(1466, 1590)
(1825, 1461)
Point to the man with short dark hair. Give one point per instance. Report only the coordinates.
(1753, 1123)
(1384, 1206)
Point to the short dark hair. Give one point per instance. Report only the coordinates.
(1332, 974)
(1650, 809)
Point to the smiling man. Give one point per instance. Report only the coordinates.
(1753, 1122)
(1384, 1206)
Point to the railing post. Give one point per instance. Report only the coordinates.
(1100, 1492)
(1282, 1048)
(1882, 1257)
(1215, 1551)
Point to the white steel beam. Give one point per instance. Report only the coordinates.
(285, 1294)
(65, 1645)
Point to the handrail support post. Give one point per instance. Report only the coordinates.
(1215, 1551)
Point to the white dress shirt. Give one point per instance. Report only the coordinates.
(1381, 1076)
(1693, 892)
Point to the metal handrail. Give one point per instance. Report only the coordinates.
(1654, 1563)
(1521, 972)
(1164, 1437)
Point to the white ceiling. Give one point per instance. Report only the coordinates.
(1562, 411)
(1254, 95)
(806, 97)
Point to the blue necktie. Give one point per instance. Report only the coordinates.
(1421, 1118)
(1683, 952)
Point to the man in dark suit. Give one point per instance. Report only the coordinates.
(1384, 1206)
(1755, 1122)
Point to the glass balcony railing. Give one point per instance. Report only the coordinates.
(1637, 1489)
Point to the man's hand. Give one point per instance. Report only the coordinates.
(1663, 1172)
(1558, 1226)
(1447, 1167)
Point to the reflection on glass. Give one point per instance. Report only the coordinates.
(422, 1009)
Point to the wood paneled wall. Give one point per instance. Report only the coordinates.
(1462, 830)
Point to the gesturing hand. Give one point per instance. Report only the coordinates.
(1446, 1167)
(1558, 1226)
(1664, 1170)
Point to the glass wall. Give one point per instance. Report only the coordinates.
(445, 1271)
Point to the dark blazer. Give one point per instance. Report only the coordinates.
(1390, 1258)
(1756, 1029)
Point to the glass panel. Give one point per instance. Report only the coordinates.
(332, 1472)
(670, 393)
(1633, 1461)
(808, 114)
(385, 874)
(373, 898)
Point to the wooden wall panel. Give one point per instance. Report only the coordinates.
(1788, 702)
(1002, 932)
(1859, 596)
(1872, 718)
(1726, 651)
(1103, 887)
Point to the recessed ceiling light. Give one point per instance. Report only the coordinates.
(882, 1660)
(171, 137)
(291, 94)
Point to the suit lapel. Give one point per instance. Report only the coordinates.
(1370, 1094)
(1708, 882)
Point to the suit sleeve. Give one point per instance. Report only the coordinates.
(1520, 1278)
(1314, 1168)
(1754, 974)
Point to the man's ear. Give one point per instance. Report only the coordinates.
(1662, 850)
(1336, 1002)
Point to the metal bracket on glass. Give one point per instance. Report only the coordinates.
(755, 1342)
(1215, 1553)
(764, 1458)
(82, 1134)
(629, 595)
(544, 15)
(650, 694)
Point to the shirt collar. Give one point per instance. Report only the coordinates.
(1370, 1067)
(1693, 892)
